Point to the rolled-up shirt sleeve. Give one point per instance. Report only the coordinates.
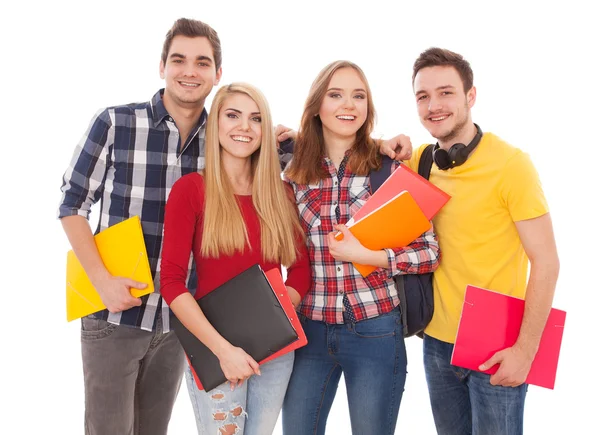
(83, 181)
(420, 256)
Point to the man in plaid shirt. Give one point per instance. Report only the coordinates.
(129, 159)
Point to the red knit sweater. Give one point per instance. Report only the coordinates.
(183, 234)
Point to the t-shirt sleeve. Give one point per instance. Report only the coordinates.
(521, 189)
(413, 162)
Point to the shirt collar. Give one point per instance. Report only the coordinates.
(159, 111)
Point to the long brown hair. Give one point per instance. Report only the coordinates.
(224, 231)
(306, 166)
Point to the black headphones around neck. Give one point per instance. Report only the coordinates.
(457, 154)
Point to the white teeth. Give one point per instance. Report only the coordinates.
(346, 117)
(192, 85)
(439, 119)
(241, 138)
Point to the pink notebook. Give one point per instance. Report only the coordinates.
(491, 321)
(428, 197)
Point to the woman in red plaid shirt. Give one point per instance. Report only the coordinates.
(352, 323)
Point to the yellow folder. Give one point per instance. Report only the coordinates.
(123, 252)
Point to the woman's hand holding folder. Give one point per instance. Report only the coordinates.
(237, 365)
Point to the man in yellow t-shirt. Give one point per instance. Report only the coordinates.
(495, 224)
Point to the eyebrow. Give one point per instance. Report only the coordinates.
(240, 112)
(439, 88)
(340, 89)
(181, 56)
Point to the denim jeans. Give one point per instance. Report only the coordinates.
(464, 402)
(131, 378)
(372, 357)
(251, 409)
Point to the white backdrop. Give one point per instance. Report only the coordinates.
(62, 61)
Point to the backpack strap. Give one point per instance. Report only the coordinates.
(426, 161)
(377, 178)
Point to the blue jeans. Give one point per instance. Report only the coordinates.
(251, 409)
(372, 356)
(464, 402)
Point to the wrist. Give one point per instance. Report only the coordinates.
(98, 277)
(526, 349)
(222, 348)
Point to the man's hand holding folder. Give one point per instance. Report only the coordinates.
(115, 292)
(117, 262)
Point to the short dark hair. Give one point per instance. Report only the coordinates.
(435, 56)
(193, 29)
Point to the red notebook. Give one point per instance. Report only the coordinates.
(428, 197)
(276, 280)
(491, 321)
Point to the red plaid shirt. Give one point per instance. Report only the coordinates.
(371, 296)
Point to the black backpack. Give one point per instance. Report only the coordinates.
(414, 291)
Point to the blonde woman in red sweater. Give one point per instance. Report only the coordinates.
(234, 214)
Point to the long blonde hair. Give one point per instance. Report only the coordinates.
(306, 167)
(224, 230)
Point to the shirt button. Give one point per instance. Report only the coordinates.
(341, 292)
(170, 119)
(335, 183)
(339, 269)
(334, 202)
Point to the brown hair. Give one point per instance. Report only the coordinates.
(193, 29)
(306, 166)
(435, 56)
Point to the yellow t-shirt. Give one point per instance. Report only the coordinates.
(497, 186)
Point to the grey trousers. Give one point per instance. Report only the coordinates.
(131, 378)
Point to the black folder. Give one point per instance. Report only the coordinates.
(246, 312)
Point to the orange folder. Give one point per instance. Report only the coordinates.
(491, 321)
(123, 252)
(394, 224)
(275, 279)
(428, 197)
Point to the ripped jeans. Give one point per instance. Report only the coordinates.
(251, 409)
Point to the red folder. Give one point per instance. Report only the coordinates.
(276, 280)
(428, 197)
(491, 321)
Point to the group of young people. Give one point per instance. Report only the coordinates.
(207, 187)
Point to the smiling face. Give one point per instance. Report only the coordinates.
(443, 106)
(344, 107)
(189, 72)
(240, 127)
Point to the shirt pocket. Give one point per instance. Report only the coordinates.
(309, 208)
(358, 194)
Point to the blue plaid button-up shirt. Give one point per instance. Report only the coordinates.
(129, 159)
